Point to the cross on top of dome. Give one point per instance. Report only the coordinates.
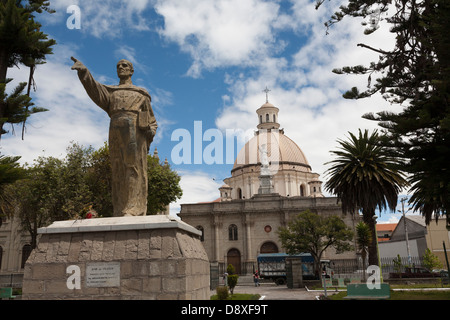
(266, 90)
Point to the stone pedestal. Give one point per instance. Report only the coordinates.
(150, 257)
(266, 186)
(294, 273)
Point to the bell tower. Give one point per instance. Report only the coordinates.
(267, 115)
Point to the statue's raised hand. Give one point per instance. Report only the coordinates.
(78, 65)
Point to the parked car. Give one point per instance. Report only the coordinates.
(443, 273)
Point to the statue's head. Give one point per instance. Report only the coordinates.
(124, 69)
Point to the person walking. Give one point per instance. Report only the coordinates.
(256, 278)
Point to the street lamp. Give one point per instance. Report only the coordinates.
(378, 249)
(406, 230)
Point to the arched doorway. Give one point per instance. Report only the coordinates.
(269, 247)
(234, 258)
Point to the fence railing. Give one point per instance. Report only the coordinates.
(344, 267)
(389, 266)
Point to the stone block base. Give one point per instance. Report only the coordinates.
(152, 257)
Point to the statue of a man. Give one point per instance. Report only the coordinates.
(131, 131)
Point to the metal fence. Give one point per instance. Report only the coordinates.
(389, 266)
(13, 280)
(245, 268)
(355, 267)
(344, 267)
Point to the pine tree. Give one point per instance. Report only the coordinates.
(21, 43)
(10, 172)
(416, 74)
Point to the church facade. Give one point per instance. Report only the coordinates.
(271, 182)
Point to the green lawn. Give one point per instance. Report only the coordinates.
(240, 296)
(406, 295)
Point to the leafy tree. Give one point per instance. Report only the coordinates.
(308, 232)
(98, 177)
(55, 189)
(415, 73)
(39, 197)
(364, 177)
(163, 186)
(21, 42)
(74, 188)
(431, 261)
(398, 265)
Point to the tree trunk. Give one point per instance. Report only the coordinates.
(368, 218)
(3, 64)
(3, 73)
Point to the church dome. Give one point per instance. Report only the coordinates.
(279, 147)
(270, 163)
(268, 105)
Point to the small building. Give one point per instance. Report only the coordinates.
(437, 235)
(15, 248)
(385, 230)
(420, 237)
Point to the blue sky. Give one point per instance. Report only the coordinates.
(206, 61)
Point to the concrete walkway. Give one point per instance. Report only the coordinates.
(269, 291)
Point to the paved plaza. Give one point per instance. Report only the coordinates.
(274, 292)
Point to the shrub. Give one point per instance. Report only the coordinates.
(232, 281)
(230, 269)
(222, 292)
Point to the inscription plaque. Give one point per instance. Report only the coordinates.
(101, 274)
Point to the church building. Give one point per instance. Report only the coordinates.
(271, 182)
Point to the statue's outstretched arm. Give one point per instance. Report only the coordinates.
(96, 91)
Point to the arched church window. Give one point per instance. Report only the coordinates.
(260, 119)
(302, 191)
(239, 193)
(26, 251)
(269, 247)
(267, 117)
(202, 237)
(232, 232)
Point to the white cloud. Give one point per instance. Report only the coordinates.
(197, 187)
(106, 18)
(219, 33)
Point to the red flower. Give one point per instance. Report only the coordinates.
(88, 215)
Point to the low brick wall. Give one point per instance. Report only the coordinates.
(157, 263)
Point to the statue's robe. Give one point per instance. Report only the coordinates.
(132, 128)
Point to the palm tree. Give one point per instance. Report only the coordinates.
(363, 241)
(365, 177)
